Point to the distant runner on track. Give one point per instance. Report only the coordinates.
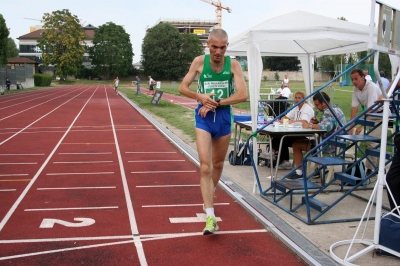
(116, 83)
(220, 84)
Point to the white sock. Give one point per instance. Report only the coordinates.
(210, 212)
(299, 172)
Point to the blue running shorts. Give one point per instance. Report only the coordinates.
(217, 123)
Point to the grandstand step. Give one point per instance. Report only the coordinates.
(315, 204)
(364, 122)
(358, 138)
(346, 178)
(327, 160)
(283, 185)
(380, 115)
(377, 153)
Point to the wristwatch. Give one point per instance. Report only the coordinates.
(218, 101)
(311, 125)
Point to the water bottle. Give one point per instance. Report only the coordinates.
(260, 116)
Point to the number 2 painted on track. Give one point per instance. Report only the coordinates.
(49, 222)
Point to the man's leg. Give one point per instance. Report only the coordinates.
(298, 148)
(219, 150)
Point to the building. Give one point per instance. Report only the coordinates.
(201, 28)
(28, 45)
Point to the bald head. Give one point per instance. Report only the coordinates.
(219, 34)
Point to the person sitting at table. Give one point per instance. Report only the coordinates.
(327, 122)
(284, 93)
(302, 112)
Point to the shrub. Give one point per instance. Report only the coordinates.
(42, 80)
(276, 76)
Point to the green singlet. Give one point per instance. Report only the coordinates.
(221, 84)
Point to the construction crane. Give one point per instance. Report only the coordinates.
(218, 11)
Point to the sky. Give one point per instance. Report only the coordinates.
(137, 15)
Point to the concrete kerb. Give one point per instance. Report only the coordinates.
(290, 237)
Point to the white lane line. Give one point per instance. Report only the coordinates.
(45, 240)
(22, 154)
(75, 153)
(21, 130)
(181, 205)
(150, 152)
(7, 190)
(177, 235)
(32, 181)
(150, 161)
(74, 208)
(131, 213)
(61, 188)
(18, 163)
(196, 185)
(66, 249)
(14, 174)
(94, 173)
(85, 162)
(156, 172)
(142, 239)
(14, 114)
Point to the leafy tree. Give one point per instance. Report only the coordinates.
(111, 52)
(61, 42)
(384, 65)
(12, 50)
(167, 54)
(281, 63)
(4, 32)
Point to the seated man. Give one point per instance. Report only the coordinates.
(302, 112)
(327, 122)
(285, 92)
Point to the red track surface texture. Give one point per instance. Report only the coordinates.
(85, 179)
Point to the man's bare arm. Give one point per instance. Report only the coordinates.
(241, 91)
(195, 68)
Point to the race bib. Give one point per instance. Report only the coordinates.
(219, 88)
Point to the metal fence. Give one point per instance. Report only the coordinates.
(17, 75)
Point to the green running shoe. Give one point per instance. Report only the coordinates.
(211, 226)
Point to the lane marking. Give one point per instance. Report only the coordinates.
(85, 162)
(14, 174)
(67, 188)
(180, 205)
(8, 190)
(150, 152)
(72, 208)
(149, 161)
(156, 172)
(88, 143)
(22, 154)
(32, 181)
(129, 206)
(67, 249)
(200, 218)
(196, 185)
(74, 153)
(39, 240)
(12, 180)
(18, 163)
(94, 173)
(80, 222)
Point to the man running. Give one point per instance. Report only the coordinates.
(116, 83)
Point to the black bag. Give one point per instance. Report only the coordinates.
(389, 235)
(243, 154)
(356, 170)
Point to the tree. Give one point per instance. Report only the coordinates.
(167, 54)
(4, 32)
(61, 42)
(111, 52)
(12, 50)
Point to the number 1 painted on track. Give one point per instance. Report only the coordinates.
(49, 222)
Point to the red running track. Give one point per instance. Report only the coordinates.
(85, 179)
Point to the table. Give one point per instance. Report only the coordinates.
(269, 94)
(271, 131)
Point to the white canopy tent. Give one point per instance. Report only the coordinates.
(300, 34)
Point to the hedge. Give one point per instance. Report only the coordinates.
(42, 80)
